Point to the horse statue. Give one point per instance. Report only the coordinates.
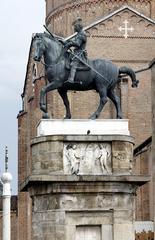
(102, 75)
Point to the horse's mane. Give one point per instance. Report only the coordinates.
(48, 36)
(45, 34)
(41, 35)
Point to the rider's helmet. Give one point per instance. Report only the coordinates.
(77, 24)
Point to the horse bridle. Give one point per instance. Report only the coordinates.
(58, 58)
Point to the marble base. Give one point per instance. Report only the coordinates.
(83, 127)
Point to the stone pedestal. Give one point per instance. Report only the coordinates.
(82, 184)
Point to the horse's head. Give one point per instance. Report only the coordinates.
(39, 46)
(46, 45)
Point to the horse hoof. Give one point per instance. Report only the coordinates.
(45, 116)
(43, 107)
(93, 117)
(67, 117)
(119, 117)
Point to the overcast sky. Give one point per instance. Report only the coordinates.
(18, 20)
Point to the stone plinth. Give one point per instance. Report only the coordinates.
(82, 185)
(82, 154)
(83, 127)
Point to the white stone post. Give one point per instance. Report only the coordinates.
(6, 180)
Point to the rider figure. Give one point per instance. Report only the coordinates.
(79, 44)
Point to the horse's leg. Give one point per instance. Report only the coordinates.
(103, 100)
(43, 92)
(43, 103)
(116, 100)
(63, 94)
(42, 100)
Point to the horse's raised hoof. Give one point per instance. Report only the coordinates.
(45, 116)
(135, 84)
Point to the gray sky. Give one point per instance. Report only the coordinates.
(18, 20)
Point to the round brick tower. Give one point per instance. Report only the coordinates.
(60, 14)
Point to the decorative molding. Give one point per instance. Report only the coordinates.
(130, 37)
(124, 8)
(109, 26)
(78, 3)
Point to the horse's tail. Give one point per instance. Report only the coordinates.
(131, 73)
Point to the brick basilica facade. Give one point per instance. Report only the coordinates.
(102, 21)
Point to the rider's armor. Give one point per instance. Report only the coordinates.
(79, 44)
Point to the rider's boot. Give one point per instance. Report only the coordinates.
(71, 76)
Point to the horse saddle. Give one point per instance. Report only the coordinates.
(81, 66)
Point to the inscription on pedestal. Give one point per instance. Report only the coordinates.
(88, 158)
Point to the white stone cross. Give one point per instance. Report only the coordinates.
(126, 29)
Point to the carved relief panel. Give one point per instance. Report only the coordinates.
(91, 158)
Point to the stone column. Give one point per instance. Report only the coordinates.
(6, 179)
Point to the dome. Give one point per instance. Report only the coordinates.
(6, 177)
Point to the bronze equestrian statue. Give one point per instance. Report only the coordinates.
(99, 74)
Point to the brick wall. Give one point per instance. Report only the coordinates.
(27, 121)
(144, 199)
